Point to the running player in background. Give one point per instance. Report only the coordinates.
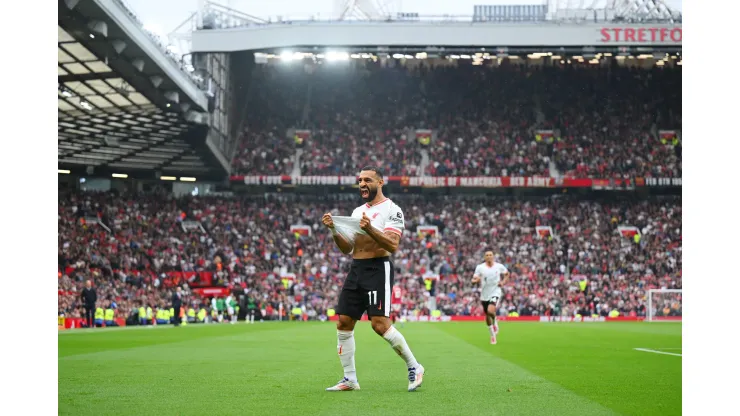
(396, 302)
(490, 274)
(367, 287)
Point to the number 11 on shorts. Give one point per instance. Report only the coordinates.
(373, 296)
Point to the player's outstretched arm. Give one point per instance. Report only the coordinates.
(344, 245)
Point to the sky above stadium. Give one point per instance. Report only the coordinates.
(163, 16)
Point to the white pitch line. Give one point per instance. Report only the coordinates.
(658, 352)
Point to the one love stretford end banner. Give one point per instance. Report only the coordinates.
(463, 182)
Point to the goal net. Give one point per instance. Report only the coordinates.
(664, 305)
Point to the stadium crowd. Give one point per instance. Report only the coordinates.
(246, 243)
(485, 120)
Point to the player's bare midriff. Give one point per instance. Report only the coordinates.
(367, 248)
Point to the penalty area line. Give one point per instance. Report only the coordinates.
(657, 352)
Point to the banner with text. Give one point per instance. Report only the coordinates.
(460, 182)
(459, 318)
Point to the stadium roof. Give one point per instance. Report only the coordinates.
(106, 123)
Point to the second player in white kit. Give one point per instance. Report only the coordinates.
(492, 276)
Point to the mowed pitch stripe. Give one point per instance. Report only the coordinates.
(234, 331)
(165, 327)
(493, 377)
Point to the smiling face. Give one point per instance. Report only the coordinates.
(370, 183)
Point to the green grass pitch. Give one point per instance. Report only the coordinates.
(282, 368)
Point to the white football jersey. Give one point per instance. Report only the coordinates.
(490, 278)
(385, 216)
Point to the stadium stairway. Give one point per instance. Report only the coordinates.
(554, 172)
(307, 103)
(424, 162)
(306, 114)
(297, 163)
(539, 114)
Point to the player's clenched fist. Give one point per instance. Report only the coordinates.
(326, 219)
(365, 222)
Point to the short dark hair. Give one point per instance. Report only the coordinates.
(378, 171)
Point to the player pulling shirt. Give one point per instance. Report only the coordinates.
(368, 284)
(367, 287)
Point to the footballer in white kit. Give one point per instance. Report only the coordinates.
(367, 287)
(492, 276)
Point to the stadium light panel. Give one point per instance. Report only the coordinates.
(286, 56)
(397, 56)
(187, 179)
(465, 56)
(119, 175)
(167, 178)
(63, 171)
(337, 56)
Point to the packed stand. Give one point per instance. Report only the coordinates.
(605, 120)
(276, 100)
(246, 244)
(609, 123)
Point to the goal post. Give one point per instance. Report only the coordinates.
(664, 305)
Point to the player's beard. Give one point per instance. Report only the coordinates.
(371, 193)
